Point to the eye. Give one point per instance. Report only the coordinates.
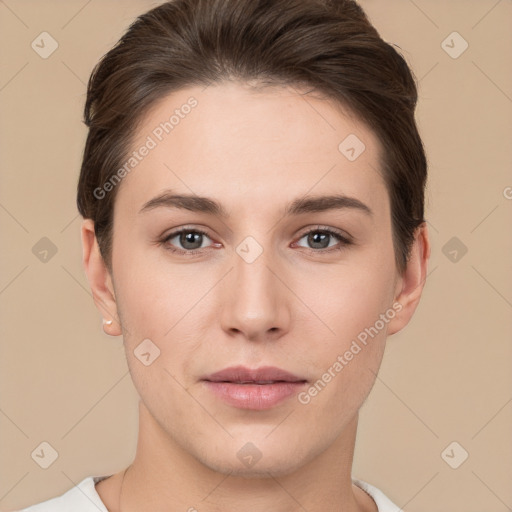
(190, 239)
(320, 237)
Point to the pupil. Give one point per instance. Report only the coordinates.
(190, 238)
(318, 238)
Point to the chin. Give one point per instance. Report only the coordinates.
(258, 459)
(258, 470)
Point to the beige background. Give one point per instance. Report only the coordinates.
(447, 377)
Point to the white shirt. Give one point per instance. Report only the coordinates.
(84, 498)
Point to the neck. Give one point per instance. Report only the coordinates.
(163, 476)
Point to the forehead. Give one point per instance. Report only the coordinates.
(251, 148)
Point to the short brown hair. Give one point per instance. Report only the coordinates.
(326, 45)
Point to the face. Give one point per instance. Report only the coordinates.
(274, 277)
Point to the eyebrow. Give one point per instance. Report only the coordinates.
(308, 204)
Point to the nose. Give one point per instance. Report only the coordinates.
(255, 302)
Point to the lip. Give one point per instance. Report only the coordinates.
(239, 374)
(256, 389)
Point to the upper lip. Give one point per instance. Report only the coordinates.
(263, 374)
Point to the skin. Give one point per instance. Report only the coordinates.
(296, 306)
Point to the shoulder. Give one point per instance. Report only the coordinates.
(80, 498)
(384, 504)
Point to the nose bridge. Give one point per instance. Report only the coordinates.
(255, 303)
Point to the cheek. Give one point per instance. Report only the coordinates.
(344, 366)
(162, 310)
(155, 296)
(354, 307)
(347, 301)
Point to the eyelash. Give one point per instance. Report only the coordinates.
(344, 240)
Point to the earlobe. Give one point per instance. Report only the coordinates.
(100, 280)
(412, 280)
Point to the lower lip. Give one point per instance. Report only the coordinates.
(254, 396)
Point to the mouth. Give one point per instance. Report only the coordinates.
(263, 376)
(256, 389)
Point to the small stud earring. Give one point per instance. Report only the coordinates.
(107, 322)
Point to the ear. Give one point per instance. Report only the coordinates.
(99, 279)
(410, 284)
